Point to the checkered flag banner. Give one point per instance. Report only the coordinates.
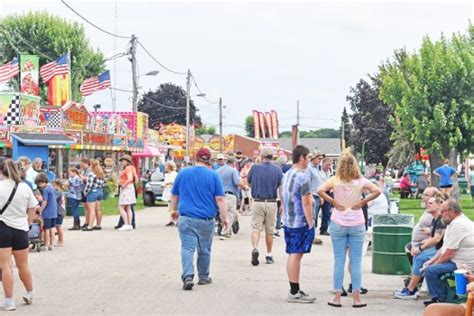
(15, 112)
(55, 120)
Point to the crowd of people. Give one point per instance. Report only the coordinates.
(32, 197)
(295, 194)
(278, 195)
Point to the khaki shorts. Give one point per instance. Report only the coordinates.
(264, 215)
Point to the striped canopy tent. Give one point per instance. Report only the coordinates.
(148, 151)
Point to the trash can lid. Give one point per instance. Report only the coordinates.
(406, 220)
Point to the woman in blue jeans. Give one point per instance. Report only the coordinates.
(75, 196)
(347, 222)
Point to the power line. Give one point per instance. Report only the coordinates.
(203, 95)
(89, 22)
(17, 34)
(165, 106)
(156, 60)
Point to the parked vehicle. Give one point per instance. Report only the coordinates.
(153, 189)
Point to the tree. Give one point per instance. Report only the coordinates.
(432, 94)
(167, 104)
(249, 126)
(206, 130)
(38, 33)
(285, 134)
(345, 127)
(371, 128)
(319, 133)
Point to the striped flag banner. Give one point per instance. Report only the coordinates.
(9, 70)
(94, 84)
(58, 67)
(268, 122)
(256, 125)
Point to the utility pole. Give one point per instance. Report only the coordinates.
(133, 59)
(297, 121)
(220, 125)
(188, 110)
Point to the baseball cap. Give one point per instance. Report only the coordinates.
(204, 154)
(220, 157)
(267, 153)
(316, 154)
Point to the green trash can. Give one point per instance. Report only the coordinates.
(462, 185)
(391, 232)
(80, 209)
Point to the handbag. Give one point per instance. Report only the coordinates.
(9, 199)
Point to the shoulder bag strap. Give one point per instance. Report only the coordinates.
(9, 199)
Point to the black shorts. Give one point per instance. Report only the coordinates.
(13, 238)
(446, 186)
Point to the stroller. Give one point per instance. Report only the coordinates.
(34, 236)
(235, 226)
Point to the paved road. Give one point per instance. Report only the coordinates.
(111, 272)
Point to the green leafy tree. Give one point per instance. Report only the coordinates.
(285, 134)
(432, 94)
(371, 128)
(206, 130)
(167, 104)
(38, 33)
(249, 126)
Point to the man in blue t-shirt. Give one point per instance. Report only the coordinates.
(445, 174)
(197, 193)
(298, 220)
(265, 180)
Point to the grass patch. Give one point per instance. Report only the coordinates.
(413, 206)
(110, 206)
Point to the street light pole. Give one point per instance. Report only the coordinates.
(220, 125)
(133, 50)
(188, 110)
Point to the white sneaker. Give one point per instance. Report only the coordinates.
(28, 298)
(125, 228)
(8, 306)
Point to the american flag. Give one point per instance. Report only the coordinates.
(9, 70)
(94, 84)
(58, 67)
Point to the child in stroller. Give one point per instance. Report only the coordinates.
(34, 235)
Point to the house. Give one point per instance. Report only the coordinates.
(331, 147)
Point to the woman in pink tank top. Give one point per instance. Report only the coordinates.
(347, 226)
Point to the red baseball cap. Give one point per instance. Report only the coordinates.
(204, 154)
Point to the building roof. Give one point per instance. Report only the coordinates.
(327, 146)
(43, 139)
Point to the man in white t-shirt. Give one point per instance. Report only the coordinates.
(457, 250)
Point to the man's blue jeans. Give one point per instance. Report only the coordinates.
(316, 210)
(325, 216)
(436, 286)
(195, 234)
(344, 237)
(74, 204)
(421, 258)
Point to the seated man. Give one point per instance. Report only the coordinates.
(422, 230)
(457, 250)
(425, 250)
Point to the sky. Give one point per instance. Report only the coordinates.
(256, 55)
